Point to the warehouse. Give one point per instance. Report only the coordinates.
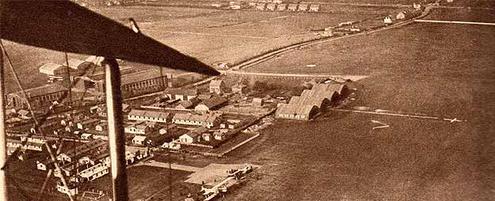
(39, 97)
(296, 112)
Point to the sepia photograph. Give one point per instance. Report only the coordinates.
(247, 100)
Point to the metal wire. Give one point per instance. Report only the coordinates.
(37, 124)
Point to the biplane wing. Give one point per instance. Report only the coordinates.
(65, 26)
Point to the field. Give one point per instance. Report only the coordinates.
(439, 70)
(211, 35)
(150, 183)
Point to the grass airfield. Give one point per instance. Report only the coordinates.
(440, 70)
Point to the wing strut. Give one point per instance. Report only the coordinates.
(116, 135)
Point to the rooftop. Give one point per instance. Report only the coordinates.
(141, 76)
(210, 118)
(42, 90)
(214, 101)
(149, 113)
(50, 67)
(178, 91)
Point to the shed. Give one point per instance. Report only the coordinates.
(281, 7)
(52, 69)
(211, 104)
(189, 138)
(314, 8)
(139, 140)
(292, 7)
(303, 7)
(271, 6)
(260, 6)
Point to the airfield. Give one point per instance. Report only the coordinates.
(444, 71)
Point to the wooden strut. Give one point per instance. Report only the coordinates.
(116, 136)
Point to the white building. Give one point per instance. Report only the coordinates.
(139, 140)
(148, 115)
(205, 120)
(189, 138)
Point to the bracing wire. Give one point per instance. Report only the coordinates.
(37, 124)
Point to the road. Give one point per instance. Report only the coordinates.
(298, 75)
(456, 22)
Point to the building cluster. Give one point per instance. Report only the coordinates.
(26, 145)
(312, 101)
(278, 5)
(83, 163)
(87, 85)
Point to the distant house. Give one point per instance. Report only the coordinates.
(408, 14)
(292, 7)
(303, 7)
(314, 8)
(205, 120)
(206, 137)
(139, 140)
(102, 126)
(387, 20)
(217, 86)
(99, 135)
(148, 115)
(82, 150)
(257, 102)
(86, 136)
(189, 138)
(271, 6)
(87, 124)
(181, 94)
(235, 5)
(140, 129)
(417, 6)
(220, 134)
(171, 145)
(281, 7)
(260, 6)
(210, 104)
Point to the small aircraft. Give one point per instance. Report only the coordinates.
(452, 120)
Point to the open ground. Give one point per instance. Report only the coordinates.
(440, 70)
